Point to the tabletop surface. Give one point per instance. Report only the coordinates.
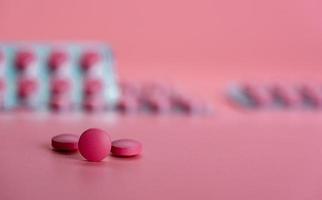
(230, 155)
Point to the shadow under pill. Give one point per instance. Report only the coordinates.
(102, 163)
(64, 152)
(71, 154)
(126, 158)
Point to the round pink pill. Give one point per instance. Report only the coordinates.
(24, 58)
(89, 59)
(259, 95)
(65, 142)
(93, 86)
(92, 104)
(57, 59)
(27, 87)
(287, 94)
(127, 104)
(60, 86)
(94, 144)
(60, 103)
(126, 148)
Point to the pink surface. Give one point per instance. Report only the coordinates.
(230, 156)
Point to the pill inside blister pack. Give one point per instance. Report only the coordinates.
(159, 98)
(276, 95)
(81, 77)
(57, 77)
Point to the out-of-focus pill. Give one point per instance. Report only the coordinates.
(90, 59)
(57, 59)
(24, 59)
(60, 86)
(65, 142)
(126, 148)
(258, 95)
(286, 94)
(93, 86)
(60, 103)
(189, 105)
(312, 94)
(94, 144)
(127, 104)
(94, 103)
(27, 87)
(155, 103)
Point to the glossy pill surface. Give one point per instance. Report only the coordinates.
(126, 148)
(94, 144)
(65, 142)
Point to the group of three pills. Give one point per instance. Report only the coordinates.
(96, 144)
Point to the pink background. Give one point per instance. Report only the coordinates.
(173, 35)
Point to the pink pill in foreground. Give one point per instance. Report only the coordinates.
(126, 148)
(94, 144)
(65, 142)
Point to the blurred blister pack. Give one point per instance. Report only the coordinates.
(57, 76)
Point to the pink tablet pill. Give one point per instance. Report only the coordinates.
(90, 59)
(287, 94)
(93, 86)
(312, 94)
(94, 144)
(94, 103)
(126, 148)
(60, 103)
(65, 142)
(155, 103)
(57, 59)
(188, 104)
(127, 104)
(27, 87)
(24, 59)
(60, 86)
(259, 95)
